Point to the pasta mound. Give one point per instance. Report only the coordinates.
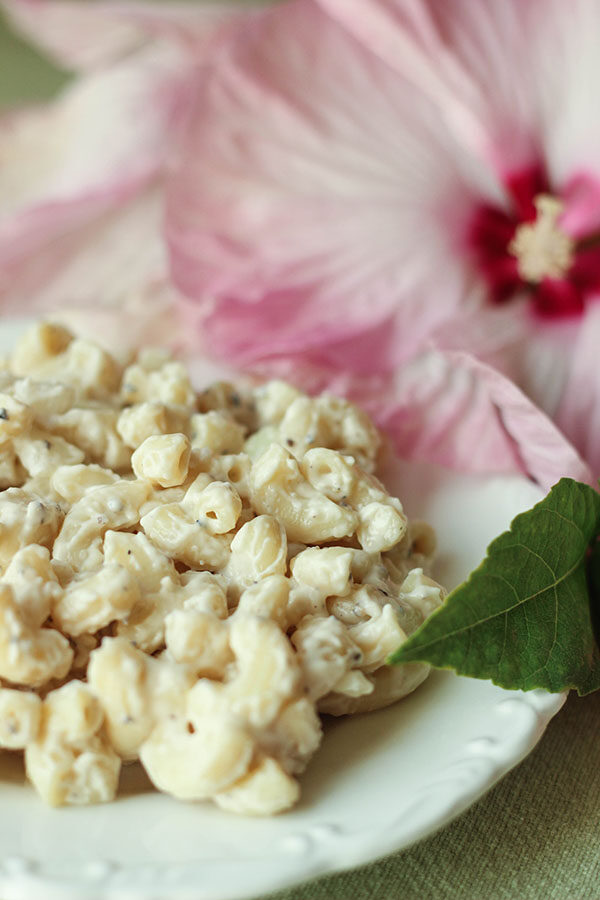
(189, 578)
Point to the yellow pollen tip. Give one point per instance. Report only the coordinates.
(542, 248)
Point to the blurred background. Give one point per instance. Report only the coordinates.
(25, 75)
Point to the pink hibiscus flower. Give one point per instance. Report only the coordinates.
(367, 182)
(308, 225)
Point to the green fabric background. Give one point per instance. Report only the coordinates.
(536, 835)
(24, 75)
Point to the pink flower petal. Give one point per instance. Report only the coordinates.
(579, 411)
(581, 196)
(543, 359)
(512, 78)
(107, 280)
(456, 56)
(315, 189)
(108, 261)
(91, 34)
(544, 453)
(453, 410)
(198, 26)
(79, 158)
(77, 35)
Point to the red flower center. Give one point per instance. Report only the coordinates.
(525, 249)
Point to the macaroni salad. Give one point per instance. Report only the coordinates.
(188, 579)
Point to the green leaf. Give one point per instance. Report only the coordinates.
(524, 618)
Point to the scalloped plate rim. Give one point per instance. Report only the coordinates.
(323, 848)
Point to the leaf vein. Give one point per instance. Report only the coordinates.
(504, 612)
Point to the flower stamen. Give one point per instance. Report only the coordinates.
(542, 248)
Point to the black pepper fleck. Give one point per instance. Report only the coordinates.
(3, 413)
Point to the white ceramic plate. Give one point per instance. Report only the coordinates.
(379, 782)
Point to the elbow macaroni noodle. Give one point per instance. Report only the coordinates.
(188, 579)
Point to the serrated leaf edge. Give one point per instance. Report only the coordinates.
(397, 657)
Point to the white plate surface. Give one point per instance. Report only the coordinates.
(379, 782)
